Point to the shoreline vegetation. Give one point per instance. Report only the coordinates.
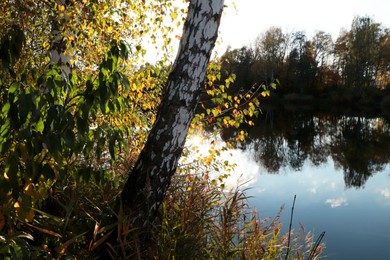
(358, 102)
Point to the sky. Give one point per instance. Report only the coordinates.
(241, 27)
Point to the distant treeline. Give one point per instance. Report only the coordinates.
(359, 59)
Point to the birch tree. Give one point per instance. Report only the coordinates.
(150, 178)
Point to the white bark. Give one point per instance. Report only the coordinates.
(58, 52)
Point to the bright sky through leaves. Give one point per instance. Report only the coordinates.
(241, 25)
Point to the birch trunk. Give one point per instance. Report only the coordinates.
(58, 52)
(150, 178)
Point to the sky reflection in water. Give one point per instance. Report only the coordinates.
(356, 220)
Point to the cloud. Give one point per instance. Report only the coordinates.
(313, 190)
(334, 203)
(385, 193)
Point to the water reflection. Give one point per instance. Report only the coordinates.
(359, 146)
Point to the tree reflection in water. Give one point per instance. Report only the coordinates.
(360, 146)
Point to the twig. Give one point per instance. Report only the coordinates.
(317, 243)
(289, 229)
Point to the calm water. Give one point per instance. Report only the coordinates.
(338, 166)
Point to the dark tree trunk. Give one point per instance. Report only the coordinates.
(148, 182)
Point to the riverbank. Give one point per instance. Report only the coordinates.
(352, 102)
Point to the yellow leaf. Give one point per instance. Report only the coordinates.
(265, 93)
(173, 16)
(215, 112)
(83, 25)
(29, 189)
(90, 31)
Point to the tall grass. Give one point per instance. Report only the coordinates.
(199, 220)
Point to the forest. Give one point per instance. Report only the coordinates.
(93, 159)
(350, 71)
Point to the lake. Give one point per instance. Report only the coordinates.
(337, 165)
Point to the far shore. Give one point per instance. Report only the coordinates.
(353, 103)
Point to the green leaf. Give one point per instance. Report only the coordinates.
(23, 151)
(100, 146)
(104, 107)
(111, 147)
(110, 105)
(5, 127)
(5, 143)
(53, 143)
(124, 52)
(69, 138)
(5, 108)
(11, 170)
(125, 82)
(73, 79)
(40, 126)
(82, 125)
(14, 86)
(25, 106)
